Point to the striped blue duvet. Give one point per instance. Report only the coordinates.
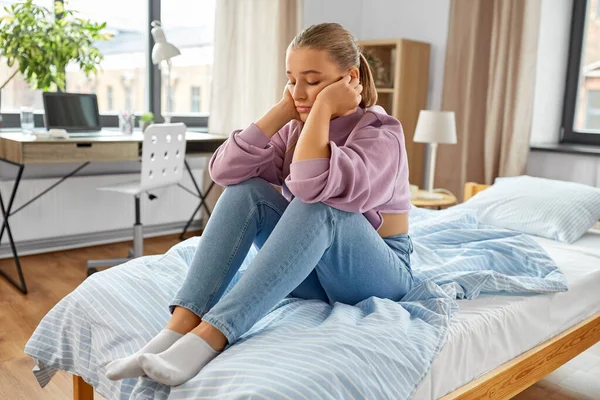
(377, 349)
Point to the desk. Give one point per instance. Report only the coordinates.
(22, 149)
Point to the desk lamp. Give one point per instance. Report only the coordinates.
(164, 51)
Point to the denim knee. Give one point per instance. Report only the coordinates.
(317, 212)
(315, 208)
(250, 188)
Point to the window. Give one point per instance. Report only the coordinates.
(124, 63)
(109, 99)
(195, 99)
(17, 92)
(126, 78)
(189, 25)
(581, 119)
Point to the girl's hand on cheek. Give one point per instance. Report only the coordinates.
(341, 97)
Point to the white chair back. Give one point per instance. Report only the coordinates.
(163, 155)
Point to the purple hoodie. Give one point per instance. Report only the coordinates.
(366, 173)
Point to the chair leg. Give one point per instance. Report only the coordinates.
(138, 241)
(138, 234)
(138, 245)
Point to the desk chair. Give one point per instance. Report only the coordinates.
(163, 155)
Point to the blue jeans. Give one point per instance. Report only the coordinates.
(311, 251)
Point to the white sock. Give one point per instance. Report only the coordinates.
(128, 367)
(180, 363)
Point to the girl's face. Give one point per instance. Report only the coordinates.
(308, 72)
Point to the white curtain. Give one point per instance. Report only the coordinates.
(251, 37)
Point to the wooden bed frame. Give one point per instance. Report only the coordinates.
(505, 381)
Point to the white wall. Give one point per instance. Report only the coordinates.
(423, 20)
(565, 167)
(551, 70)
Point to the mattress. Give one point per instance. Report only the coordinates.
(493, 329)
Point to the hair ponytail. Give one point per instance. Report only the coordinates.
(369, 93)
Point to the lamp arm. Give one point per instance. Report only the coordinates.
(169, 93)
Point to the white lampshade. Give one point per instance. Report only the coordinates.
(435, 127)
(162, 50)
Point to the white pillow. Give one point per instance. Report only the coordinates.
(553, 209)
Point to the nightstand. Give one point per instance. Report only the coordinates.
(447, 200)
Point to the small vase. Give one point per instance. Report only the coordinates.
(126, 123)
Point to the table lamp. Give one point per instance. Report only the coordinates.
(434, 127)
(163, 51)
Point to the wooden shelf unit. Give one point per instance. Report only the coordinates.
(403, 90)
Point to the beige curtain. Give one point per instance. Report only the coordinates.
(251, 37)
(488, 82)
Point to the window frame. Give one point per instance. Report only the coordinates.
(152, 94)
(578, 25)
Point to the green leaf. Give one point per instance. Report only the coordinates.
(42, 45)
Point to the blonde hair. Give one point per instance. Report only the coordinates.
(343, 49)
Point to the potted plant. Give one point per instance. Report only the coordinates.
(41, 45)
(145, 120)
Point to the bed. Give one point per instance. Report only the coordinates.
(458, 359)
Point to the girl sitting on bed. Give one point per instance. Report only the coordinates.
(337, 234)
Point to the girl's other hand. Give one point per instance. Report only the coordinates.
(287, 106)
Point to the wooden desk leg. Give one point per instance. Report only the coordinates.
(81, 390)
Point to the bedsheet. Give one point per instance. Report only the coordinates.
(300, 349)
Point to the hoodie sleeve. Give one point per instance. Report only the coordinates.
(357, 177)
(249, 153)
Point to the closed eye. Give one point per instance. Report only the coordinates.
(291, 83)
(313, 83)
